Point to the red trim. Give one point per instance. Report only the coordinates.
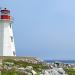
(5, 17)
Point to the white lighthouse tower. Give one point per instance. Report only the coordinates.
(7, 47)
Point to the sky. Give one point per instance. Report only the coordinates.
(43, 28)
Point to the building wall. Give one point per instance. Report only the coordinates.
(12, 41)
(7, 47)
(1, 38)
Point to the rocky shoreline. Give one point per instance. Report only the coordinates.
(33, 66)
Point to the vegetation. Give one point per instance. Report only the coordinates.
(11, 72)
(70, 71)
(37, 67)
(5, 72)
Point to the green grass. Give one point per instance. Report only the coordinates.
(37, 67)
(38, 73)
(11, 72)
(70, 71)
(8, 73)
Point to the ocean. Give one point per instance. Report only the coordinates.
(63, 61)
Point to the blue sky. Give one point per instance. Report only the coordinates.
(43, 28)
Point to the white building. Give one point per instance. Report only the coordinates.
(7, 47)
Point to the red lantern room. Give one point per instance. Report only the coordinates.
(5, 14)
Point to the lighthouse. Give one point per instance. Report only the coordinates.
(7, 46)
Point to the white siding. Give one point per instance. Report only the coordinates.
(1, 38)
(5, 37)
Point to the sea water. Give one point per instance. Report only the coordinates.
(63, 61)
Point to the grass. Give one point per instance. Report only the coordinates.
(11, 72)
(37, 67)
(70, 71)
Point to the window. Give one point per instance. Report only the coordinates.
(14, 53)
(11, 38)
(10, 25)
